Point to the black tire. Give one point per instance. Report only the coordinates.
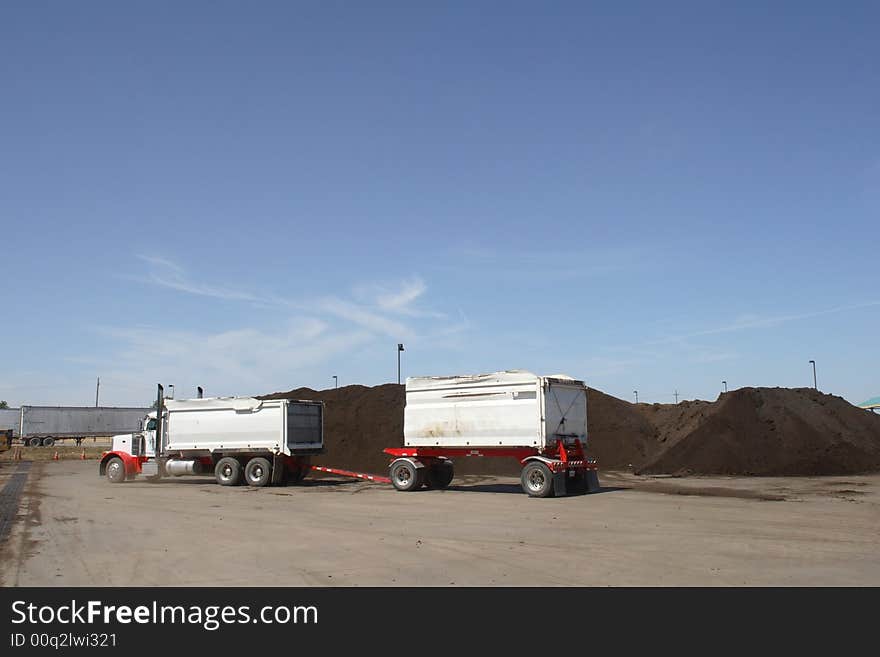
(48, 442)
(537, 480)
(405, 476)
(440, 475)
(115, 470)
(296, 474)
(34, 442)
(227, 472)
(258, 472)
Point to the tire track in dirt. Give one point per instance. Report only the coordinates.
(10, 497)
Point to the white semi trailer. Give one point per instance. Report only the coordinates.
(238, 439)
(45, 425)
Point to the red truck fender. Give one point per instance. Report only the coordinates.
(132, 463)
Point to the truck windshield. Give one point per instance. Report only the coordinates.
(151, 424)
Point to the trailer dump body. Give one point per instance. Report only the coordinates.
(539, 420)
(505, 409)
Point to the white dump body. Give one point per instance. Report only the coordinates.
(243, 424)
(514, 408)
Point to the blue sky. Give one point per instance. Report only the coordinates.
(257, 196)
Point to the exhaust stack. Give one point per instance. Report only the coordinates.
(199, 392)
(160, 407)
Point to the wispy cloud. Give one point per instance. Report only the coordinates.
(747, 322)
(258, 358)
(168, 274)
(240, 361)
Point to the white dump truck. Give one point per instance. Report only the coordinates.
(539, 420)
(238, 439)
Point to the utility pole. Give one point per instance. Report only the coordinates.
(815, 385)
(676, 396)
(97, 391)
(399, 349)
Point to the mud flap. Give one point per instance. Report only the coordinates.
(593, 481)
(559, 483)
(278, 466)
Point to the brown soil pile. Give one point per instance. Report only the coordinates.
(761, 431)
(764, 431)
(360, 422)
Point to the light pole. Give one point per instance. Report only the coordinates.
(724, 383)
(676, 396)
(815, 386)
(636, 393)
(97, 390)
(399, 349)
(335, 381)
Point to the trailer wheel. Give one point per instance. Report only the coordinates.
(405, 476)
(115, 470)
(537, 480)
(440, 475)
(227, 472)
(48, 442)
(258, 472)
(34, 442)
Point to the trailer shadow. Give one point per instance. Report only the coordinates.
(517, 489)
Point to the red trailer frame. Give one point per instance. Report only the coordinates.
(545, 473)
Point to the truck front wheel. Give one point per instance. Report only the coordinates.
(115, 470)
(258, 472)
(537, 480)
(227, 472)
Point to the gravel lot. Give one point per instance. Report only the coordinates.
(70, 527)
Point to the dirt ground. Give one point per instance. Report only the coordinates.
(66, 526)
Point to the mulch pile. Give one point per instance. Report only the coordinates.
(750, 431)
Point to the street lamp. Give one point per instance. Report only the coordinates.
(399, 349)
(636, 393)
(724, 383)
(335, 381)
(815, 386)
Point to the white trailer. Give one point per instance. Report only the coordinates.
(44, 425)
(540, 420)
(10, 421)
(238, 439)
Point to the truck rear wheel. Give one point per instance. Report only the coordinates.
(440, 475)
(115, 470)
(536, 479)
(298, 472)
(406, 476)
(34, 442)
(48, 442)
(227, 472)
(258, 472)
